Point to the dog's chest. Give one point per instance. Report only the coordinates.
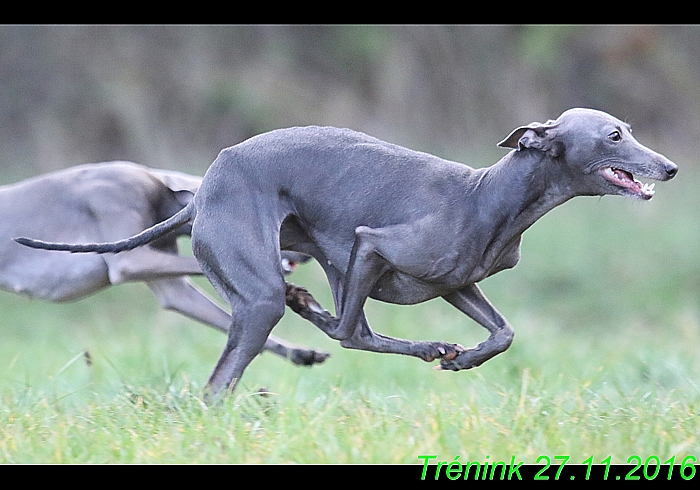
(495, 259)
(401, 288)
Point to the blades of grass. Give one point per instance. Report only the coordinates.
(70, 363)
(523, 390)
(13, 362)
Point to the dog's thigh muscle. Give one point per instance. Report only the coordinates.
(53, 276)
(240, 256)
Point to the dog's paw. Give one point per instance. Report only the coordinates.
(441, 350)
(304, 304)
(476, 356)
(308, 357)
(467, 359)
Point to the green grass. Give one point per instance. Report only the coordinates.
(605, 362)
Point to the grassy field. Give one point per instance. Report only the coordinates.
(605, 363)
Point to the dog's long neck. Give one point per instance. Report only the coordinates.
(512, 194)
(525, 185)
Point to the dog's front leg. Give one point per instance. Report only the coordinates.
(352, 329)
(364, 338)
(376, 251)
(471, 301)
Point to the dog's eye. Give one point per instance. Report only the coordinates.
(615, 136)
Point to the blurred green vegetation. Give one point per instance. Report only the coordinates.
(173, 96)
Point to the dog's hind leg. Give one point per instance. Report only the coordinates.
(253, 320)
(148, 263)
(181, 295)
(257, 304)
(299, 355)
(163, 269)
(241, 258)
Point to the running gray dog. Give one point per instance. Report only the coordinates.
(106, 201)
(388, 223)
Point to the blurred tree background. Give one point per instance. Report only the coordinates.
(174, 96)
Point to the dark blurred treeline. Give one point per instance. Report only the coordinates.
(173, 96)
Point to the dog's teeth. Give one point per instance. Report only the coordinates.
(648, 188)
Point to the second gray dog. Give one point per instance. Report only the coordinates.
(389, 223)
(105, 201)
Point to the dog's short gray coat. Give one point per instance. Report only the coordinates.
(107, 201)
(389, 223)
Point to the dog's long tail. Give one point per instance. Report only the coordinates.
(181, 217)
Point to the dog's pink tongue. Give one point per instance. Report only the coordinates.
(626, 179)
(623, 175)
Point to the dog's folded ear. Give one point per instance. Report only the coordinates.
(536, 135)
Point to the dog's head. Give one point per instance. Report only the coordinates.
(599, 146)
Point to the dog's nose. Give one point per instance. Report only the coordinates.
(671, 169)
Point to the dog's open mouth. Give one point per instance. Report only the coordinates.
(626, 180)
